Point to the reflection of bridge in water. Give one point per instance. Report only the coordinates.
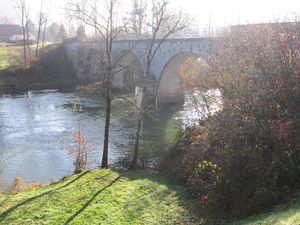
(131, 55)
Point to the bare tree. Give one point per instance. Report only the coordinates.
(22, 12)
(106, 27)
(109, 31)
(163, 26)
(28, 35)
(138, 15)
(95, 12)
(44, 33)
(40, 23)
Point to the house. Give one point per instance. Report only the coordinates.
(8, 30)
(18, 39)
(12, 33)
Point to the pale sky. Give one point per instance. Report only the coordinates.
(220, 12)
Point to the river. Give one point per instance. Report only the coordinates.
(37, 127)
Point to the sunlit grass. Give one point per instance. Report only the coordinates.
(3, 59)
(100, 197)
(10, 55)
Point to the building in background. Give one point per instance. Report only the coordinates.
(9, 30)
(12, 33)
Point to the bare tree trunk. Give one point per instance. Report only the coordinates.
(28, 45)
(26, 10)
(44, 33)
(109, 43)
(20, 5)
(24, 46)
(95, 20)
(104, 163)
(160, 18)
(140, 16)
(39, 29)
(134, 162)
(108, 30)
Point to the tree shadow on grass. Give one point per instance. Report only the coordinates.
(91, 199)
(8, 211)
(185, 200)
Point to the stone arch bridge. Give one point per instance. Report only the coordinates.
(131, 55)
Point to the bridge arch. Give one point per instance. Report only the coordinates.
(129, 71)
(168, 90)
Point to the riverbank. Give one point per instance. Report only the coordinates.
(53, 70)
(288, 214)
(117, 198)
(100, 195)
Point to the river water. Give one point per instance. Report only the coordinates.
(37, 127)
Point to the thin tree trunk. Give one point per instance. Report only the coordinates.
(24, 49)
(109, 43)
(158, 18)
(39, 29)
(44, 33)
(133, 165)
(24, 36)
(107, 126)
(28, 47)
(27, 35)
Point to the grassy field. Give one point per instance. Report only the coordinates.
(107, 197)
(100, 197)
(12, 55)
(4, 62)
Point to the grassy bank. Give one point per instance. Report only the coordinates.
(12, 55)
(5, 53)
(52, 71)
(100, 197)
(286, 215)
(3, 59)
(107, 197)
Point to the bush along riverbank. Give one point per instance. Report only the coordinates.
(245, 158)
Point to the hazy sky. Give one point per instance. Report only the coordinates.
(221, 12)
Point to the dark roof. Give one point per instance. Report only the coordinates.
(7, 30)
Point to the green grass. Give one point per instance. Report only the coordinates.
(108, 197)
(287, 215)
(11, 55)
(100, 197)
(3, 59)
